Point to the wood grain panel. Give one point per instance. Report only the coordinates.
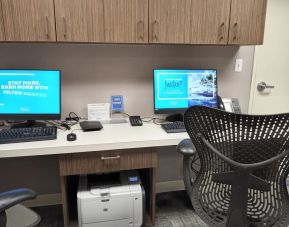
(2, 35)
(209, 21)
(153, 179)
(63, 186)
(29, 20)
(79, 20)
(169, 21)
(247, 22)
(126, 21)
(106, 161)
(112, 21)
(189, 21)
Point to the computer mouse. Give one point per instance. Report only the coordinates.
(71, 137)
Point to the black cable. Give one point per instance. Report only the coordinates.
(125, 114)
(58, 125)
(154, 119)
(72, 116)
(158, 123)
(71, 120)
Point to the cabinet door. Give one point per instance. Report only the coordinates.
(247, 22)
(29, 20)
(189, 21)
(210, 21)
(113, 21)
(169, 21)
(2, 37)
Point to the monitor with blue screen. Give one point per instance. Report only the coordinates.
(30, 94)
(177, 90)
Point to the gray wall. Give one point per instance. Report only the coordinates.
(92, 73)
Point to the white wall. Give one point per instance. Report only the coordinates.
(91, 73)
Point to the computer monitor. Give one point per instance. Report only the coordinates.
(30, 95)
(178, 89)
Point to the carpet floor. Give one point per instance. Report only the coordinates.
(173, 210)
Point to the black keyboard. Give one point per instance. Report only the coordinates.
(17, 135)
(174, 127)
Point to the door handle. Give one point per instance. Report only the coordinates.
(262, 86)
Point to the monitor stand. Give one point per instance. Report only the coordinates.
(29, 124)
(175, 117)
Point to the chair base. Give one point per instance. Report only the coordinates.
(241, 180)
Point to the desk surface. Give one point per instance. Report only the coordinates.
(111, 137)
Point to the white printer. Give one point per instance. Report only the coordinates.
(111, 200)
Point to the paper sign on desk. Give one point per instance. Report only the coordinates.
(98, 111)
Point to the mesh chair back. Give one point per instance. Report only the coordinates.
(244, 139)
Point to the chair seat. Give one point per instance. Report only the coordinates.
(20, 216)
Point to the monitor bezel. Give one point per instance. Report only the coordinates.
(177, 110)
(31, 117)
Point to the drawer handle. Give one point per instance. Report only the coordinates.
(110, 158)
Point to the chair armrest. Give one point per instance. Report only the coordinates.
(11, 198)
(186, 147)
(241, 165)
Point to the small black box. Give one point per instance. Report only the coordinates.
(91, 126)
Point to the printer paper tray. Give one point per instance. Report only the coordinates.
(118, 223)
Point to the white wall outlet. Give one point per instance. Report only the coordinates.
(239, 65)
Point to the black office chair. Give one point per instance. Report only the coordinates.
(244, 165)
(12, 198)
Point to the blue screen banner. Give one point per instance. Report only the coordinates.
(30, 92)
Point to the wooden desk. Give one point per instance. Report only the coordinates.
(115, 148)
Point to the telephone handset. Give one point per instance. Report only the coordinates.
(229, 105)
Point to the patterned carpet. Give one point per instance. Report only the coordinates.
(173, 210)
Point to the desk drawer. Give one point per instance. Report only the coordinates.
(105, 161)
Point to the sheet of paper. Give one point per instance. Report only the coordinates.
(98, 111)
(227, 104)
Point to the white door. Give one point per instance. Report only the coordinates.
(271, 64)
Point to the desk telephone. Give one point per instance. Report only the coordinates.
(229, 105)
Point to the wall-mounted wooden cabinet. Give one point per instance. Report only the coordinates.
(2, 37)
(169, 21)
(189, 21)
(112, 21)
(247, 22)
(211, 22)
(29, 20)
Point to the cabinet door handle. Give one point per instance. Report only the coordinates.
(110, 158)
(140, 30)
(64, 28)
(47, 27)
(221, 32)
(235, 31)
(154, 31)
